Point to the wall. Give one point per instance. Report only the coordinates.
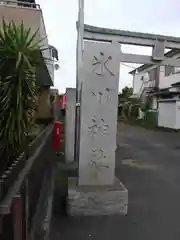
(167, 114)
(154, 103)
(44, 108)
(177, 114)
(165, 82)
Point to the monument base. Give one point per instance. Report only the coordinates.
(97, 200)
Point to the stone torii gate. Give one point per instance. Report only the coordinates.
(98, 61)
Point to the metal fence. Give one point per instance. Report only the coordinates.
(23, 205)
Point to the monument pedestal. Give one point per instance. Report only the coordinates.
(97, 200)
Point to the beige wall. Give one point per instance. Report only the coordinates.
(44, 106)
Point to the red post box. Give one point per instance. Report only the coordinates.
(56, 135)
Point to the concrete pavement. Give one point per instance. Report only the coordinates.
(148, 163)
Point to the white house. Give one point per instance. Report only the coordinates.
(162, 85)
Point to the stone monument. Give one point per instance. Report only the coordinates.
(98, 191)
(99, 101)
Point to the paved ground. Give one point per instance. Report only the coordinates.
(148, 163)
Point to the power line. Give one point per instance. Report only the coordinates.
(128, 66)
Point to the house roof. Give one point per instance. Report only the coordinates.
(165, 92)
(145, 66)
(177, 84)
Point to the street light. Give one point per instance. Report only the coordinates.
(56, 66)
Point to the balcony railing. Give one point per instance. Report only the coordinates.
(150, 84)
(146, 87)
(20, 3)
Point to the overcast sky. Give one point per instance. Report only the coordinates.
(153, 16)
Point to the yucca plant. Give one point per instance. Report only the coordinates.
(20, 56)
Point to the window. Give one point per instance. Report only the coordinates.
(27, 3)
(154, 74)
(177, 70)
(169, 70)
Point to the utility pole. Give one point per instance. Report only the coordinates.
(79, 65)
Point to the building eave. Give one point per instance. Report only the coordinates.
(166, 92)
(177, 84)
